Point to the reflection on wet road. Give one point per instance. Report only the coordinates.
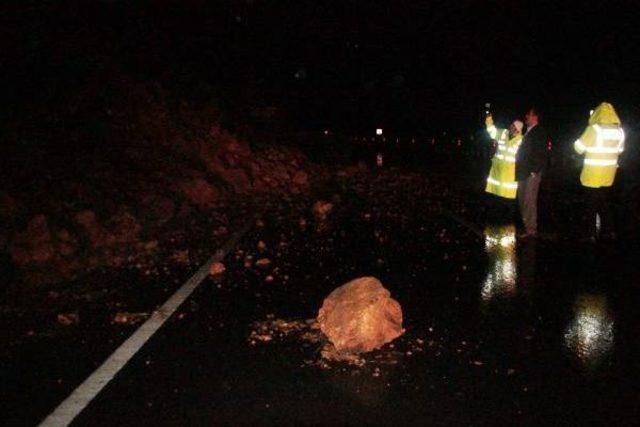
(500, 246)
(589, 336)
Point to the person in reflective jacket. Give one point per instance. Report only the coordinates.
(601, 143)
(502, 176)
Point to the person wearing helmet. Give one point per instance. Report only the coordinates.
(601, 144)
(502, 176)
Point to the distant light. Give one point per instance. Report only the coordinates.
(326, 131)
(378, 131)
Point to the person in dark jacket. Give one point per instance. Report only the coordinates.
(531, 160)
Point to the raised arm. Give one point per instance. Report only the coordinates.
(495, 133)
(491, 128)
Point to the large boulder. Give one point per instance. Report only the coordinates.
(321, 210)
(360, 316)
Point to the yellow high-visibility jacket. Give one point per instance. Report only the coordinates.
(502, 176)
(601, 143)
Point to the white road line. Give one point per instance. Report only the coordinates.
(69, 409)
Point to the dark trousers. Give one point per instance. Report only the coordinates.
(598, 204)
(500, 210)
(528, 202)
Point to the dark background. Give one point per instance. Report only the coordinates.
(410, 66)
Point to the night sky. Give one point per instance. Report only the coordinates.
(348, 65)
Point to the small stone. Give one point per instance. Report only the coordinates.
(216, 269)
(321, 209)
(263, 262)
(68, 319)
(125, 318)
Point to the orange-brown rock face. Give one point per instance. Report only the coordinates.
(360, 316)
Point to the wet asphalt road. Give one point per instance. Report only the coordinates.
(497, 332)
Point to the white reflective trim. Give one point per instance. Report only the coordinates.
(507, 158)
(603, 150)
(609, 134)
(621, 144)
(512, 185)
(512, 150)
(579, 146)
(600, 162)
